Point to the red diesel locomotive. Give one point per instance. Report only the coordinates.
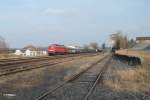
(57, 49)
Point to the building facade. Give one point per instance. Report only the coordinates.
(30, 51)
(143, 39)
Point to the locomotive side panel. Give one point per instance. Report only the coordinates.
(57, 49)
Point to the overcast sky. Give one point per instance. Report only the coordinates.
(42, 22)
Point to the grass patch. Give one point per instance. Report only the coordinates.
(8, 55)
(131, 80)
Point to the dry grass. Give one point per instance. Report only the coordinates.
(133, 80)
(7, 55)
(137, 74)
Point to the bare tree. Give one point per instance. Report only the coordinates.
(86, 47)
(117, 44)
(121, 41)
(103, 46)
(131, 43)
(94, 45)
(3, 45)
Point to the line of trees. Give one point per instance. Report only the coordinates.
(93, 46)
(122, 41)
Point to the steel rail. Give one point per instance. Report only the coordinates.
(59, 85)
(35, 59)
(17, 69)
(105, 66)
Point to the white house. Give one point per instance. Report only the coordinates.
(33, 53)
(18, 52)
(30, 51)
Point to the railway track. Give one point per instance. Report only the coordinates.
(22, 60)
(91, 75)
(25, 66)
(6, 62)
(31, 60)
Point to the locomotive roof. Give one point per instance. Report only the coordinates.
(57, 45)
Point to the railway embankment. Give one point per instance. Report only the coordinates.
(125, 79)
(143, 55)
(123, 82)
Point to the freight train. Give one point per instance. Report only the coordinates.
(56, 49)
